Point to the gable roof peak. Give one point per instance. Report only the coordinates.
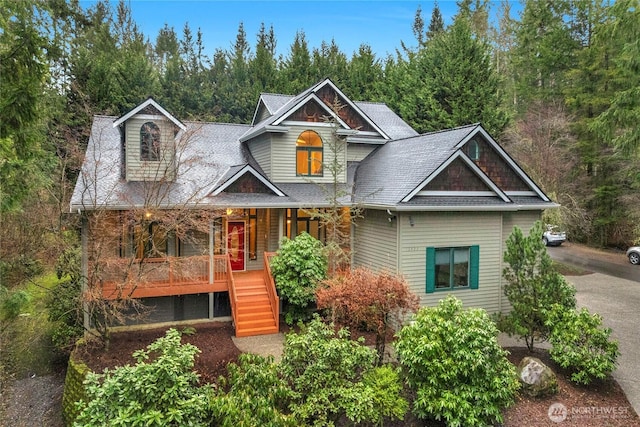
(149, 102)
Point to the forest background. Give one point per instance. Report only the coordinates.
(559, 87)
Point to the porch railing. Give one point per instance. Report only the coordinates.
(271, 287)
(133, 278)
(233, 297)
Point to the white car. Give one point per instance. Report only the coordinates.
(633, 253)
(553, 237)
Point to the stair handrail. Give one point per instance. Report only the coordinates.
(232, 292)
(274, 300)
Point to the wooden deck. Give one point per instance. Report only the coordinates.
(254, 302)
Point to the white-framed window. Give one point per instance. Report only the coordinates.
(149, 142)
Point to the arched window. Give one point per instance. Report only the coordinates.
(474, 150)
(150, 142)
(309, 154)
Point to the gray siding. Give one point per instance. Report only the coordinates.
(524, 220)
(283, 155)
(138, 170)
(263, 113)
(260, 149)
(375, 242)
(453, 229)
(357, 152)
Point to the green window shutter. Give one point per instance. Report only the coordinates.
(474, 266)
(431, 270)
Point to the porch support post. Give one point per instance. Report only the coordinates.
(84, 265)
(281, 214)
(211, 266)
(211, 234)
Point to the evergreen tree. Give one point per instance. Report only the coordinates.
(451, 83)
(263, 66)
(328, 61)
(23, 71)
(364, 75)
(296, 70)
(239, 96)
(619, 122)
(436, 25)
(545, 51)
(418, 26)
(476, 13)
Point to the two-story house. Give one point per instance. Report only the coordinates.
(436, 208)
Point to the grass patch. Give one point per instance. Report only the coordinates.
(26, 341)
(570, 270)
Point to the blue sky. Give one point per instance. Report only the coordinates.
(380, 24)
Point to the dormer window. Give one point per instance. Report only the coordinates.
(150, 142)
(309, 152)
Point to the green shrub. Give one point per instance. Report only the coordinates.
(533, 286)
(452, 360)
(579, 343)
(65, 311)
(12, 303)
(297, 269)
(333, 377)
(252, 395)
(161, 389)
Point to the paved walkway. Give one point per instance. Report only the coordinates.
(616, 300)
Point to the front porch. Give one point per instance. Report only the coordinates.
(252, 294)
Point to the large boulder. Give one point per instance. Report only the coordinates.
(537, 379)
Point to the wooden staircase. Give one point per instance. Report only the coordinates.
(255, 315)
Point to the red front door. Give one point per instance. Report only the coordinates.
(235, 244)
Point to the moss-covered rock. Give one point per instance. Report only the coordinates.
(74, 388)
(537, 379)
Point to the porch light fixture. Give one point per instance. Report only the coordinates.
(229, 211)
(147, 215)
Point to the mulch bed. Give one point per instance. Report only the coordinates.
(586, 406)
(213, 339)
(602, 403)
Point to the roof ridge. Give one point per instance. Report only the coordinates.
(370, 102)
(206, 122)
(274, 94)
(451, 129)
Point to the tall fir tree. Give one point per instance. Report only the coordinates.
(443, 84)
(296, 69)
(436, 25)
